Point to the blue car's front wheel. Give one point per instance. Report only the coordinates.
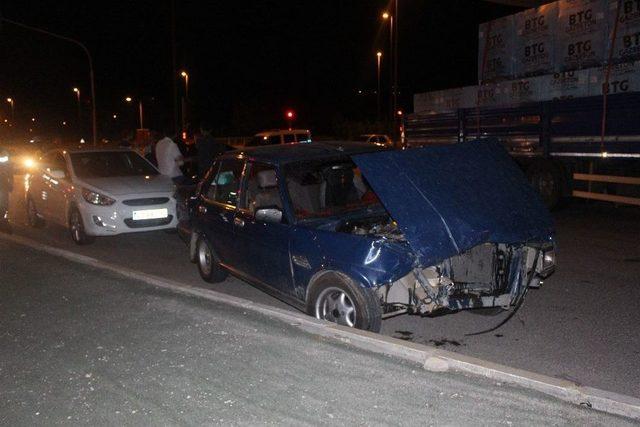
(336, 298)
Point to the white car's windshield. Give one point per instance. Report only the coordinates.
(327, 188)
(103, 164)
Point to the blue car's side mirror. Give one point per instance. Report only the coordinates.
(273, 215)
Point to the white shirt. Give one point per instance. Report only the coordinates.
(169, 157)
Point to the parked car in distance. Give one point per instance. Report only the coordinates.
(353, 233)
(280, 136)
(375, 139)
(101, 192)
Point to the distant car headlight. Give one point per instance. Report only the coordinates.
(97, 198)
(29, 163)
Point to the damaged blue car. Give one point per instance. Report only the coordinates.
(354, 236)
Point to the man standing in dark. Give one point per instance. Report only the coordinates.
(208, 148)
(6, 186)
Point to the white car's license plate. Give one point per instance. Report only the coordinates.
(150, 214)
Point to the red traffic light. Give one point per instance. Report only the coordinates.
(290, 114)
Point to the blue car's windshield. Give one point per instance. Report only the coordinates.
(321, 189)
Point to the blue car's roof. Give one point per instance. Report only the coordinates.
(286, 153)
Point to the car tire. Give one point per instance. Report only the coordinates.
(33, 218)
(208, 265)
(338, 299)
(77, 230)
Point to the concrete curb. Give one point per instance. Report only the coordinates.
(429, 357)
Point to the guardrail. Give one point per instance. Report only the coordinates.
(626, 180)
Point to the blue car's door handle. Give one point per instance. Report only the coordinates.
(238, 221)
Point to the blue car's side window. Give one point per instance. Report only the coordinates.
(224, 187)
(261, 188)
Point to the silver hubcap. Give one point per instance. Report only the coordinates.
(204, 258)
(334, 305)
(76, 226)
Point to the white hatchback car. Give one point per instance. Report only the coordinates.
(99, 193)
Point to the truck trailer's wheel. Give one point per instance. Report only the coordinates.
(546, 179)
(338, 299)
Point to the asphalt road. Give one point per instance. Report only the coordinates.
(581, 325)
(84, 346)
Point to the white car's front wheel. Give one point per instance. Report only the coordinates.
(77, 230)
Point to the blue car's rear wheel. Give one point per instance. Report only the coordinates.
(336, 298)
(208, 265)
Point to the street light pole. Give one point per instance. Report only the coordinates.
(77, 92)
(185, 75)
(140, 111)
(379, 58)
(395, 59)
(387, 15)
(10, 101)
(185, 99)
(91, 78)
(140, 114)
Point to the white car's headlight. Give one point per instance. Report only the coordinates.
(97, 198)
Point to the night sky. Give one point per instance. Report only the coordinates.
(248, 60)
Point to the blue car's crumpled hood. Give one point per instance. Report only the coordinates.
(448, 199)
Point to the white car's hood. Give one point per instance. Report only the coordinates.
(125, 185)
